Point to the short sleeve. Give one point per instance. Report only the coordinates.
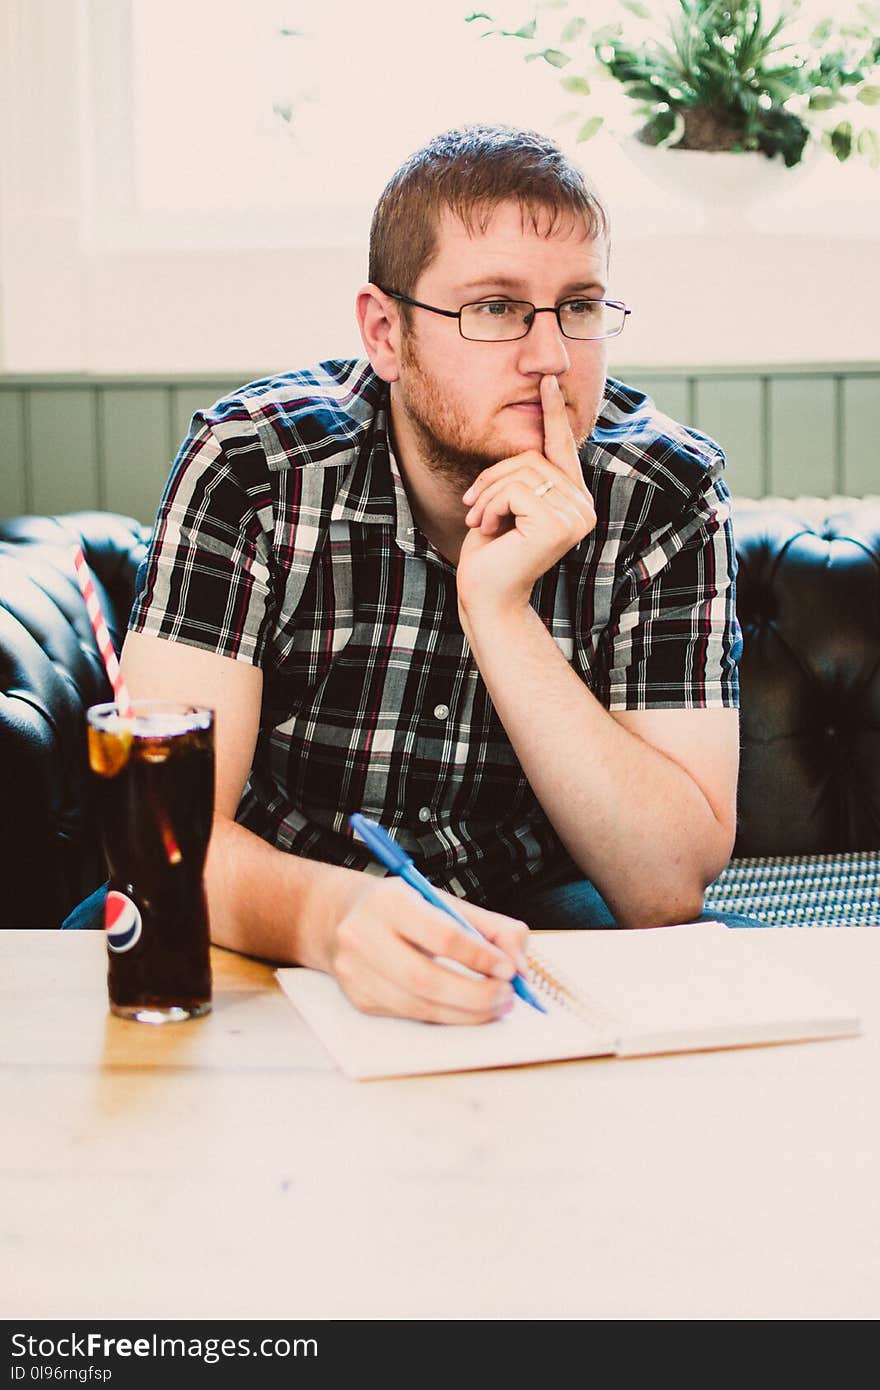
(206, 578)
(674, 640)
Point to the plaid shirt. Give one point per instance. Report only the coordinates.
(284, 538)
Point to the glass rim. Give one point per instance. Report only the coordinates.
(458, 315)
(527, 303)
(191, 715)
(617, 306)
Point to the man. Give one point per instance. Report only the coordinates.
(467, 587)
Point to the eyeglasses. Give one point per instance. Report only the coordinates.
(503, 320)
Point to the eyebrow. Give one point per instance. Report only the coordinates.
(506, 282)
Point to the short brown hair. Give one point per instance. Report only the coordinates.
(470, 171)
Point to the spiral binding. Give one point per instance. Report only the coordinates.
(554, 988)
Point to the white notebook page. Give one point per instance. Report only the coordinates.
(700, 985)
(667, 989)
(365, 1046)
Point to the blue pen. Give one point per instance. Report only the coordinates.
(380, 844)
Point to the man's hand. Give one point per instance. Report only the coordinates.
(520, 526)
(384, 950)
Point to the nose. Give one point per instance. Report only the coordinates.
(543, 350)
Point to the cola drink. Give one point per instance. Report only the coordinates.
(154, 773)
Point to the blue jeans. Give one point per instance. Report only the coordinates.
(569, 905)
(579, 905)
(89, 914)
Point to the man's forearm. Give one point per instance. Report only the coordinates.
(633, 820)
(270, 904)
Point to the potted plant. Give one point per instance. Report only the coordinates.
(718, 75)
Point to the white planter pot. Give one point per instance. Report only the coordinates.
(724, 187)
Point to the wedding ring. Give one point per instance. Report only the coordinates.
(542, 488)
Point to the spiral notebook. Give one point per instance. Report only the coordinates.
(607, 994)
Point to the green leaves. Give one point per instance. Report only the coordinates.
(607, 33)
(527, 31)
(579, 85)
(868, 145)
(841, 140)
(589, 129)
(551, 56)
(716, 74)
(573, 30)
(665, 127)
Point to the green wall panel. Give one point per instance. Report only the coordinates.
(186, 400)
(64, 449)
(802, 436)
(669, 395)
(13, 454)
(730, 411)
(73, 442)
(860, 452)
(134, 448)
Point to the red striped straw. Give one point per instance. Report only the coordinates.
(102, 636)
(120, 690)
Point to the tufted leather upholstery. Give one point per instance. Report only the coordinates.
(50, 672)
(809, 602)
(808, 598)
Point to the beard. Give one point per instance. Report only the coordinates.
(444, 435)
(443, 429)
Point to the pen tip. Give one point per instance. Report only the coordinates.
(525, 993)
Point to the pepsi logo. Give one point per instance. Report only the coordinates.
(122, 922)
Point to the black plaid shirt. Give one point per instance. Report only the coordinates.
(284, 538)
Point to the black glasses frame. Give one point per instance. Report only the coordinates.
(550, 309)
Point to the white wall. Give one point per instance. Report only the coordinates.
(797, 282)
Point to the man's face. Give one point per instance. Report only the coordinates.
(470, 403)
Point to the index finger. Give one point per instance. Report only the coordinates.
(436, 933)
(559, 445)
(508, 934)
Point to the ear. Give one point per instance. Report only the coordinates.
(379, 323)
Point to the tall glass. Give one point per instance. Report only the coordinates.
(154, 772)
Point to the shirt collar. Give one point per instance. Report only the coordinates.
(372, 490)
(366, 493)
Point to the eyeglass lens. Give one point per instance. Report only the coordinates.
(502, 319)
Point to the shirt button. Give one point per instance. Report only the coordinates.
(424, 813)
(441, 711)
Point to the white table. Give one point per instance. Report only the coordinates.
(224, 1168)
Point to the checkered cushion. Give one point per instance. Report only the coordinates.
(812, 890)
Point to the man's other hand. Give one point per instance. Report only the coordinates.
(526, 512)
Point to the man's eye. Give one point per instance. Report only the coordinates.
(584, 308)
(495, 308)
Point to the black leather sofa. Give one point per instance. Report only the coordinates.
(50, 672)
(809, 603)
